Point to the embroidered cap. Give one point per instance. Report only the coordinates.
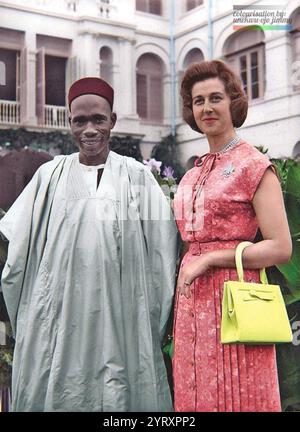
(91, 85)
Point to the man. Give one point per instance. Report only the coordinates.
(88, 281)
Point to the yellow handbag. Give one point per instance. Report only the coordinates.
(253, 313)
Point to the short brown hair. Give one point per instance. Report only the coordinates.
(214, 69)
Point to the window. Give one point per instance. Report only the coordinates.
(104, 8)
(195, 55)
(55, 79)
(8, 74)
(192, 4)
(106, 63)
(150, 6)
(150, 88)
(2, 73)
(244, 52)
(296, 151)
(72, 5)
(55, 71)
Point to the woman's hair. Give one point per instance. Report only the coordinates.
(214, 69)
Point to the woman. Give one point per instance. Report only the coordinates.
(231, 191)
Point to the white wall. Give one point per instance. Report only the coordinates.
(273, 122)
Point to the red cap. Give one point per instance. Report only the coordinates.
(91, 85)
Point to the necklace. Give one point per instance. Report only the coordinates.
(231, 144)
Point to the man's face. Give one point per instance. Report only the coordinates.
(91, 121)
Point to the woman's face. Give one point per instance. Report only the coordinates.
(211, 107)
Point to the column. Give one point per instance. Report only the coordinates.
(125, 79)
(167, 92)
(88, 49)
(29, 89)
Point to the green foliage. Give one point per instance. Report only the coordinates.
(19, 138)
(166, 152)
(283, 166)
(169, 347)
(62, 142)
(167, 183)
(126, 146)
(288, 362)
(288, 277)
(289, 172)
(6, 358)
(262, 149)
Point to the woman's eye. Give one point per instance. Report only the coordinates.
(198, 102)
(216, 98)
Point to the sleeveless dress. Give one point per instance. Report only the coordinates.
(213, 209)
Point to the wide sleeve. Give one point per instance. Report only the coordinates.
(253, 172)
(160, 236)
(20, 228)
(17, 211)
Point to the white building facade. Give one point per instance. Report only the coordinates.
(142, 47)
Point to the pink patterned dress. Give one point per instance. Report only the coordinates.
(213, 209)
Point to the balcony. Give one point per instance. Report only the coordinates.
(9, 112)
(56, 117)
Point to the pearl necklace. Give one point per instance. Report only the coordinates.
(231, 144)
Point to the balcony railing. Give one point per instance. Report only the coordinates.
(55, 117)
(9, 112)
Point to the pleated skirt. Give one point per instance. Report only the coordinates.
(210, 376)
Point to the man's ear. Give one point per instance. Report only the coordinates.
(113, 119)
(69, 114)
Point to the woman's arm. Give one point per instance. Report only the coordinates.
(276, 248)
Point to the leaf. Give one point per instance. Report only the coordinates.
(288, 361)
(291, 270)
(292, 198)
(169, 348)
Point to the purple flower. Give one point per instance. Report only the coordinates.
(168, 172)
(153, 165)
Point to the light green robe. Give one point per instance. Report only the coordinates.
(88, 285)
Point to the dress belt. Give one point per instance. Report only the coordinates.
(198, 248)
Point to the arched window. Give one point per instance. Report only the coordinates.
(195, 55)
(8, 74)
(245, 52)
(295, 38)
(192, 4)
(2, 73)
(106, 63)
(150, 88)
(296, 151)
(150, 6)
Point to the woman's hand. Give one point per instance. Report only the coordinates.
(194, 268)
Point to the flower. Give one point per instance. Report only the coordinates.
(153, 165)
(168, 172)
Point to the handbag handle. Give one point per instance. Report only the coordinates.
(239, 263)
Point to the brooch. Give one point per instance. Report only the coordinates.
(228, 170)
